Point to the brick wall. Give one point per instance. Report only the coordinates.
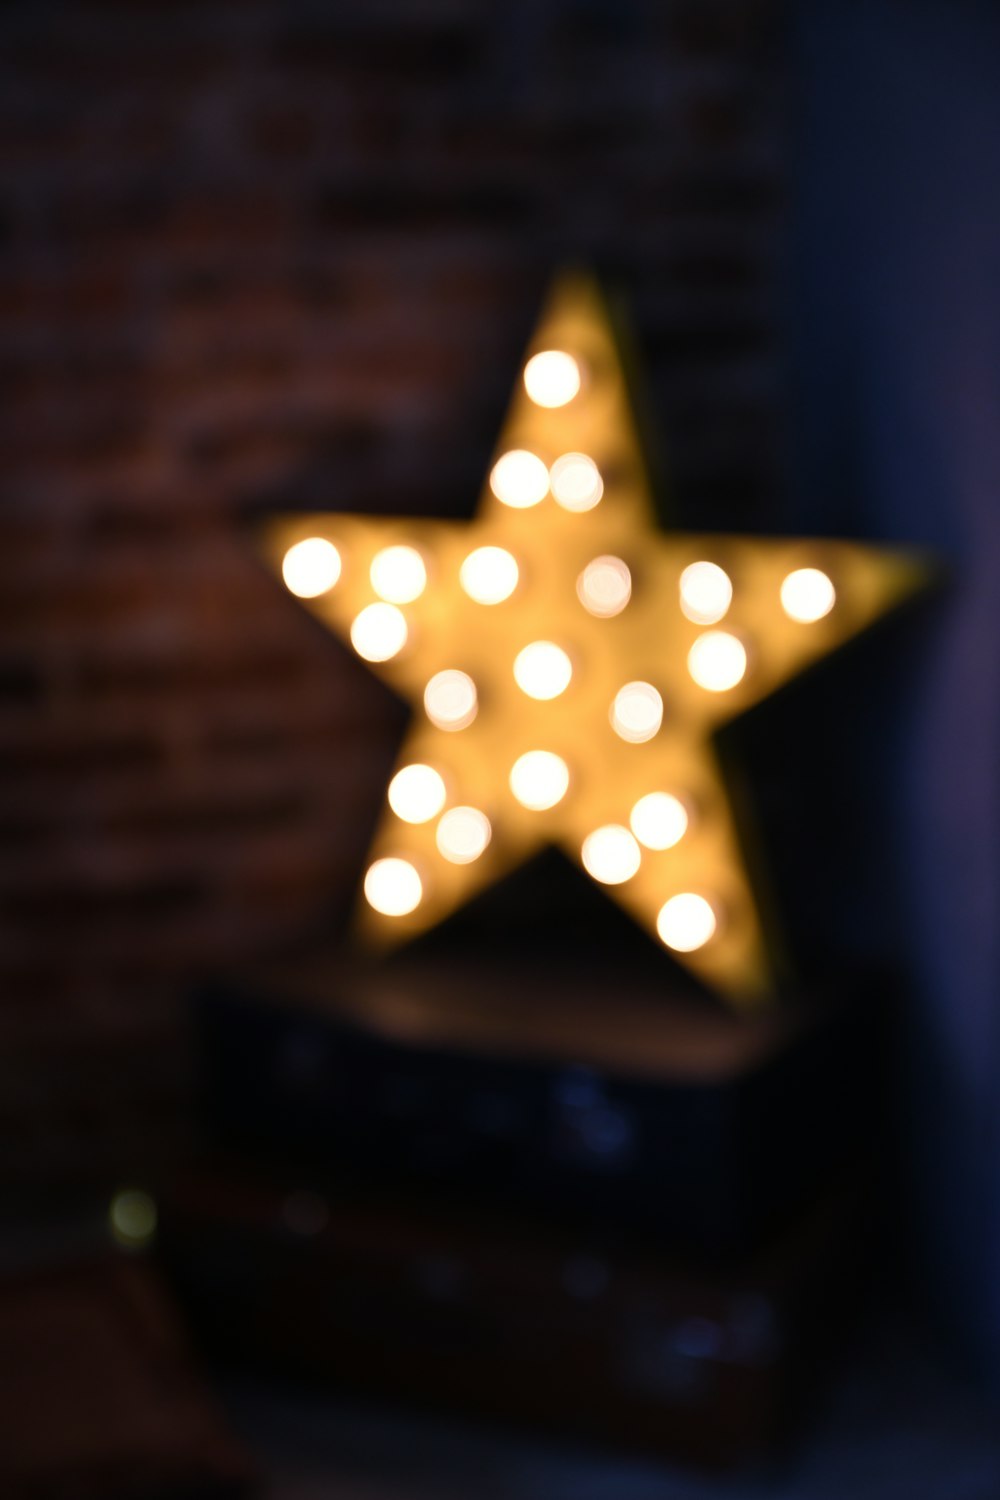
(289, 253)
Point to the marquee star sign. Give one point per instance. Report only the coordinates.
(568, 665)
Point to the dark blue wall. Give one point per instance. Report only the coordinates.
(895, 314)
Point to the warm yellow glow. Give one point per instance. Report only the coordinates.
(659, 820)
(311, 568)
(379, 632)
(686, 922)
(576, 482)
(398, 574)
(462, 834)
(623, 650)
(552, 378)
(489, 575)
(392, 887)
(637, 712)
(706, 592)
(610, 854)
(807, 595)
(542, 670)
(604, 587)
(451, 700)
(717, 661)
(132, 1216)
(539, 779)
(417, 793)
(519, 479)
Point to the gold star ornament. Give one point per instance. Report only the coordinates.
(568, 665)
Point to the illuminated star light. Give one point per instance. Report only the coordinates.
(568, 665)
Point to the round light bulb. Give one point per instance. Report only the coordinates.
(807, 595)
(610, 854)
(450, 699)
(706, 592)
(311, 567)
(519, 479)
(637, 712)
(392, 887)
(463, 834)
(417, 793)
(489, 575)
(686, 922)
(379, 632)
(576, 482)
(717, 661)
(539, 779)
(604, 587)
(398, 574)
(659, 820)
(542, 670)
(552, 378)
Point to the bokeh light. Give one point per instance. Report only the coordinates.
(489, 575)
(659, 820)
(132, 1218)
(463, 834)
(552, 378)
(686, 922)
(417, 793)
(637, 712)
(706, 592)
(717, 661)
(311, 567)
(398, 574)
(610, 854)
(542, 670)
(604, 587)
(539, 779)
(807, 595)
(576, 482)
(450, 699)
(519, 479)
(379, 632)
(393, 887)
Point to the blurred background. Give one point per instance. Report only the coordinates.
(287, 256)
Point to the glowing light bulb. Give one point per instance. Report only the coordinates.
(132, 1217)
(637, 712)
(539, 779)
(519, 479)
(686, 922)
(398, 574)
(542, 670)
(552, 378)
(659, 820)
(489, 575)
(604, 587)
(417, 793)
(717, 661)
(610, 854)
(576, 482)
(379, 632)
(706, 592)
(311, 567)
(450, 699)
(393, 887)
(463, 834)
(807, 595)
